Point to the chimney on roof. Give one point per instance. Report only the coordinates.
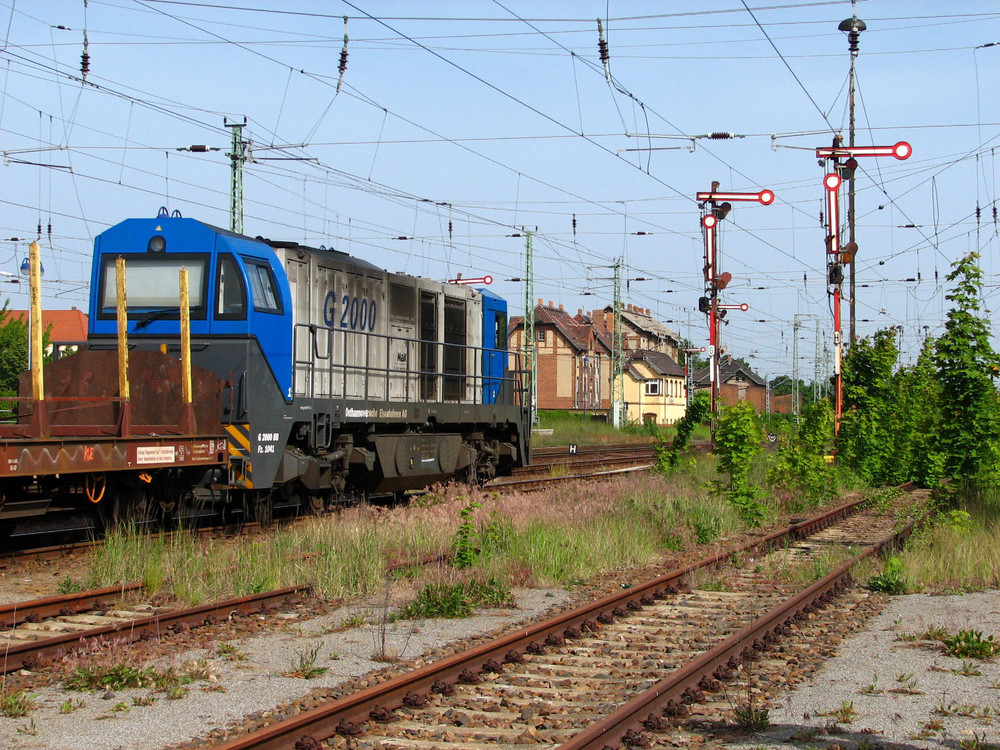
(647, 311)
(540, 302)
(579, 311)
(550, 304)
(562, 308)
(629, 307)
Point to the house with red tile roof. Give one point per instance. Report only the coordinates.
(65, 327)
(574, 362)
(574, 359)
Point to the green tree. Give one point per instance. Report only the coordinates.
(697, 412)
(800, 461)
(966, 366)
(738, 441)
(919, 398)
(13, 350)
(867, 438)
(887, 434)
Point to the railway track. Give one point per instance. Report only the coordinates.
(591, 461)
(616, 671)
(557, 465)
(43, 629)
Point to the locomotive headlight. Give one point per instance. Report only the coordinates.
(157, 244)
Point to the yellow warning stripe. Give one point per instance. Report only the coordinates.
(239, 434)
(239, 447)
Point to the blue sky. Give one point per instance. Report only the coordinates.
(458, 123)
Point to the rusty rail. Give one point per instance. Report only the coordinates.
(629, 717)
(129, 631)
(12, 615)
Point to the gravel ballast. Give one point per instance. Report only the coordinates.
(897, 690)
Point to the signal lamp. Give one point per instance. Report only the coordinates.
(704, 304)
(157, 244)
(836, 274)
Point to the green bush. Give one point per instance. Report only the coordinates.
(890, 580)
(799, 463)
(457, 600)
(970, 644)
(697, 412)
(738, 441)
(466, 539)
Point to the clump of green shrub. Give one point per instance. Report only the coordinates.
(456, 600)
(890, 580)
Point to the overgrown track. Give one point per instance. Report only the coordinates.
(551, 466)
(47, 628)
(611, 671)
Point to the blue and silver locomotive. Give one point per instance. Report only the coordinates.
(339, 378)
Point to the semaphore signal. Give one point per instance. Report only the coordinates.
(837, 255)
(716, 206)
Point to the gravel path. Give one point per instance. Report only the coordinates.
(898, 692)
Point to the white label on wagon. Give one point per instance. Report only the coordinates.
(156, 454)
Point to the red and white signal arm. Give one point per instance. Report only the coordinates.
(765, 197)
(901, 151)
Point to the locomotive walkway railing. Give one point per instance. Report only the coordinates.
(337, 363)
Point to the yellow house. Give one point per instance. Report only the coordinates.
(654, 388)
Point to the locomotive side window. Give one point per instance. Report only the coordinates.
(501, 331)
(265, 295)
(153, 283)
(230, 292)
(402, 302)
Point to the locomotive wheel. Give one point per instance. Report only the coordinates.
(316, 503)
(262, 508)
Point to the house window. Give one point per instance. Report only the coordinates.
(652, 387)
(540, 335)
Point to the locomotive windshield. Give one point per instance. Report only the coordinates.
(153, 282)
